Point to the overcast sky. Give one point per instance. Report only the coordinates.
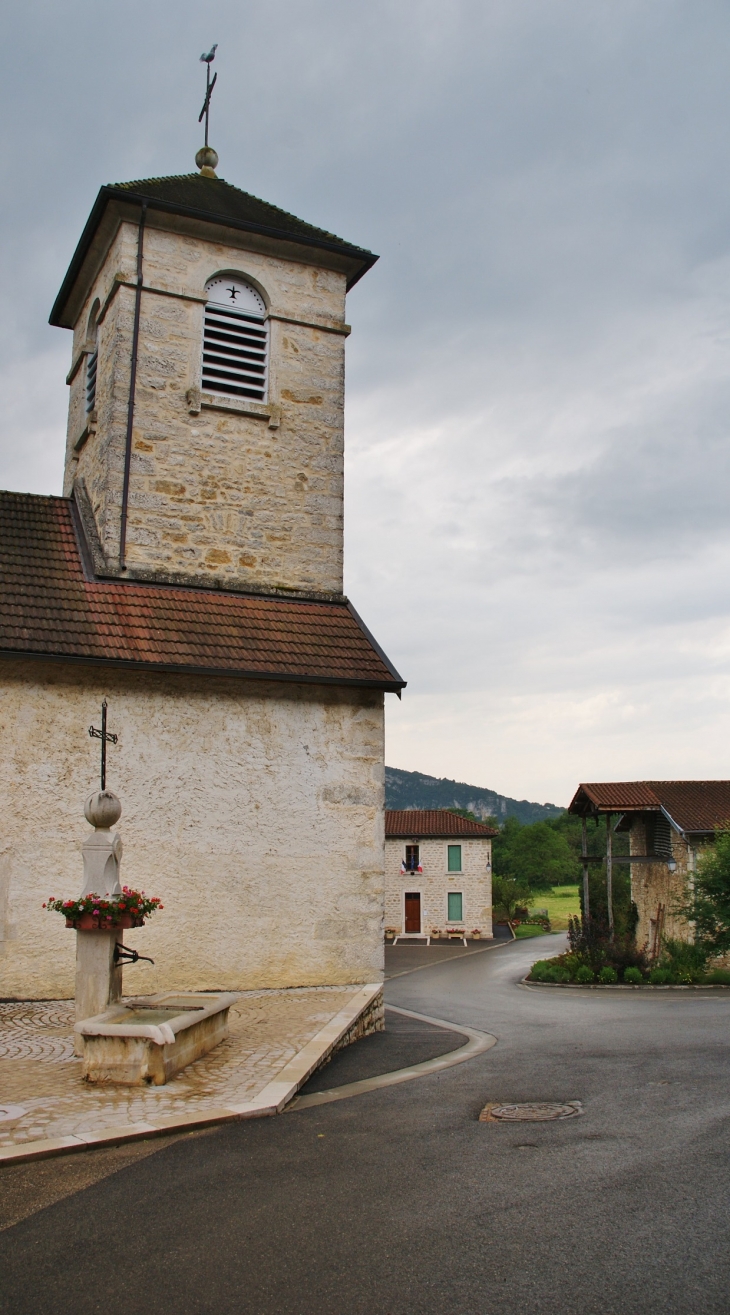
(538, 404)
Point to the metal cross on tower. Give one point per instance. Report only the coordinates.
(103, 735)
(209, 85)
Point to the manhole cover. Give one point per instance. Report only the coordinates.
(530, 1111)
(9, 1113)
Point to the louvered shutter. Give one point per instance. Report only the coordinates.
(91, 364)
(235, 340)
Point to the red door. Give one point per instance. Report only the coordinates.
(413, 911)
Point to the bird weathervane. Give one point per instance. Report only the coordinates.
(209, 85)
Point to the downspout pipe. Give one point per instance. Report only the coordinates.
(132, 389)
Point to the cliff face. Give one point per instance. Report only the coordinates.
(416, 790)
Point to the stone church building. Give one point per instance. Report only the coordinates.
(191, 574)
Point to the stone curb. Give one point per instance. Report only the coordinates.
(270, 1100)
(625, 986)
(476, 1044)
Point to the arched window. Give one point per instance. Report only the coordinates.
(92, 359)
(235, 339)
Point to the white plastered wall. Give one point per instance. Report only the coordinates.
(253, 809)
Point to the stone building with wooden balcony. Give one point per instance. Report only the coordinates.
(668, 823)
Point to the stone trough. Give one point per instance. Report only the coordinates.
(149, 1039)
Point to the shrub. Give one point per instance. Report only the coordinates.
(719, 977)
(608, 976)
(540, 970)
(686, 962)
(572, 962)
(660, 976)
(584, 974)
(633, 976)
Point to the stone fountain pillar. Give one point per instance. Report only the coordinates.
(98, 977)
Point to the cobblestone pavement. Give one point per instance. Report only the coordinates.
(40, 1073)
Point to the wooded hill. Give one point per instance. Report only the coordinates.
(416, 790)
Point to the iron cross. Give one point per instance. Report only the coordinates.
(208, 60)
(103, 735)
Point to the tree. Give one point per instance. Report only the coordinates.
(536, 856)
(707, 903)
(508, 895)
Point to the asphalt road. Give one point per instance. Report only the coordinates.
(400, 1202)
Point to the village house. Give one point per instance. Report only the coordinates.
(668, 823)
(438, 874)
(191, 574)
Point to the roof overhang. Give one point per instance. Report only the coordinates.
(115, 204)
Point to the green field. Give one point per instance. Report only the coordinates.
(527, 929)
(560, 902)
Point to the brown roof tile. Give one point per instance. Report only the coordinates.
(48, 607)
(424, 822)
(695, 806)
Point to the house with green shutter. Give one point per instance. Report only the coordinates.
(438, 874)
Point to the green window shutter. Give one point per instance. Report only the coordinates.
(455, 905)
(454, 858)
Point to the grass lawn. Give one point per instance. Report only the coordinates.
(560, 902)
(525, 930)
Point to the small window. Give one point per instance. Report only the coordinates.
(413, 861)
(456, 906)
(235, 339)
(455, 858)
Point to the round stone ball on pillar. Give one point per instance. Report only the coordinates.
(102, 852)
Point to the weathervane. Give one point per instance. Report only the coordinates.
(103, 735)
(206, 158)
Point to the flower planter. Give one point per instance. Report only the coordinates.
(87, 922)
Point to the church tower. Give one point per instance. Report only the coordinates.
(205, 429)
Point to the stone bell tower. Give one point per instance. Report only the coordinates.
(205, 431)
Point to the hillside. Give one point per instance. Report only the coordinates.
(415, 790)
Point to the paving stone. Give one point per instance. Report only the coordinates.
(39, 1071)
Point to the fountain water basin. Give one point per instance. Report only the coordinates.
(150, 1038)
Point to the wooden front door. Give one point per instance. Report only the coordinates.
(413, 911)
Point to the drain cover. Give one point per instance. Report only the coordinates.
(9, 1113)
(530, 1111)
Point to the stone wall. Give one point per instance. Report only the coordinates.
(653, 884)
(434, 883)
(223, 491)
(254, 810)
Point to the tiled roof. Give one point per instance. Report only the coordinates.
(617, 796)
(695, 806)
(424, 822)
(48, 607)
(219, 202)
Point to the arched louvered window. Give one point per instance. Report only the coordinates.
(235, 339)
(92, 359)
